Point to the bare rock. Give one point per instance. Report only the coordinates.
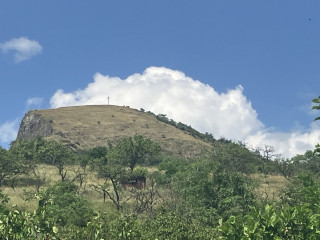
(34, 125)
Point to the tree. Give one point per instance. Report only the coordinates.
(235, 157)
(112, 169)
(61, 204)
(317, 107)
(117, 166)
(136, 150)
(298, 219)
(58, 155)
(9, 166)
(287, 167)
(26, 154)
(209, 189)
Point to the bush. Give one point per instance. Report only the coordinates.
(63, 206)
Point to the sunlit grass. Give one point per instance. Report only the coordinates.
(270, 187)
(25, 196)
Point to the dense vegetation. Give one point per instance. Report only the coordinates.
(184, 127)
(212, 197)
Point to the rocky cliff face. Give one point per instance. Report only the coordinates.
(33, 125)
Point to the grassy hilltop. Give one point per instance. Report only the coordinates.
(84, 127)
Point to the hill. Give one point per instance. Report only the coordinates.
(83, 127)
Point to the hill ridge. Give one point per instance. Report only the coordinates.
(83, 127)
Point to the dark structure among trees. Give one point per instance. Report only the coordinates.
(135, 182)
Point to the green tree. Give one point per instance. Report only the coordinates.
(299, 218)
(317, 106)
(287, 167)
(208, 190)
(61, 205)
(236, 157)
(58, 155)
(112, 169)
(137, 150)
(27, 150)
(10, 166)
(117, 166)
(26, 154)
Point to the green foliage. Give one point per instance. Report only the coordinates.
(28, 153)
(20, 159)
(9, 167)
(20, 225)
(4, 199)
(206, 187)
(317, 150)
(309, 162)
(317, 107)
(125, 228)
(98, 152)
(206, 137)
(117, 166)
(206, 198)
(56, 154)
(136, 150)
(24, 155)
(139, 172)
(294, 221)
(61, 205)
(27, 150)
(169, 226)
(171, 166)
(287, 167)
(235, 157)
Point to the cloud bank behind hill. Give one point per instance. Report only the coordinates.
(162, 90)
(171, 92)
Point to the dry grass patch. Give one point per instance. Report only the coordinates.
(271, 186)
(25, 195)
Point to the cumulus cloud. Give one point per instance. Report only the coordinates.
(171, 92)
(8, 132)
(22, 47)
(287, 144)
(162, 90)
(36, 101)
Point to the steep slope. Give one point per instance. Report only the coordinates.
(88, 126)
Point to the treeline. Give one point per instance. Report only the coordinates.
(208, 137)
(212, 197)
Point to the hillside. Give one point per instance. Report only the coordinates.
(83, 127)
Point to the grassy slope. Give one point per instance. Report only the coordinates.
(24, 194)
(89, 126)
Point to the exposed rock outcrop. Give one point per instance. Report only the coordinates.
(33, 125)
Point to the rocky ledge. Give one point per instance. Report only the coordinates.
(34, 125)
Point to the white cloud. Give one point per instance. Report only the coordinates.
(287, 144)
(171, 92)
(162, 90)
(22, 47)
(8, 132)
(36, 101)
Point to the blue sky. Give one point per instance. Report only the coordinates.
(253, 65)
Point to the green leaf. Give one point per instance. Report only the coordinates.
(316, 100)
(55, 230)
